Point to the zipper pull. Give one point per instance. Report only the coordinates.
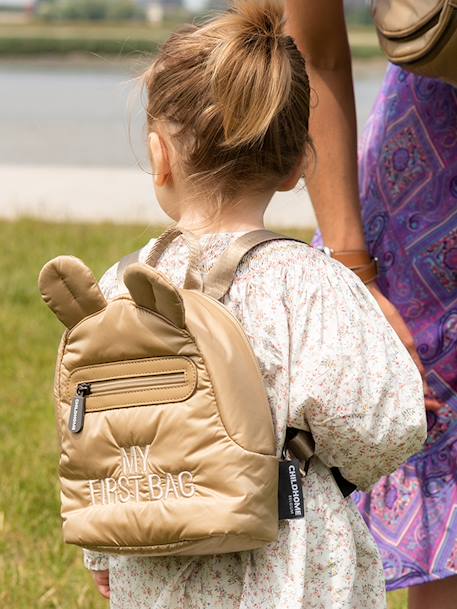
(78, 406)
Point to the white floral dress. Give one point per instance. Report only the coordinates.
(330, 361)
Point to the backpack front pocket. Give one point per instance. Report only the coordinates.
(144, 382)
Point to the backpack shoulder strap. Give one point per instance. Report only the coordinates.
(192, 279)
(220, 277)
(124, 263)
(158, 249)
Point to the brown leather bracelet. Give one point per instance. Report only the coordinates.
(353, 258)
(369, 272)
(359, 261)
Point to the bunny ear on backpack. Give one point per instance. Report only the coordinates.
(152, 290)
(70, 290)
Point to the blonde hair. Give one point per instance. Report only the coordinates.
(237, 90)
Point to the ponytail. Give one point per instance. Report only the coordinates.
(250, 71)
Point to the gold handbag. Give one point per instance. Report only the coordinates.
(419, 35)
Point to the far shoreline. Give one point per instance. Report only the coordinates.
(136, 61)
(122, 40)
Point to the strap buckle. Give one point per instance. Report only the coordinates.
(300, 444)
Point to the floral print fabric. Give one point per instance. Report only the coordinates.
(332, 364)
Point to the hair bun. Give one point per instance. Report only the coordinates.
(249, 69)
(262, 19)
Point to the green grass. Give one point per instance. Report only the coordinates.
(398, 600)
(35, 38)
(85, 38)
(36, 569)
(364, 43)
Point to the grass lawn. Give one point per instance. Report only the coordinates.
(36, 569)
(36, 38)
(85, 38)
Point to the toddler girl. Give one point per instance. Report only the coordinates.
(228, 107)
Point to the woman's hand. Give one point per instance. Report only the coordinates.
(397, 323)
(101, 579)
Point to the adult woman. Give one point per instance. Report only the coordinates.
(408, 193)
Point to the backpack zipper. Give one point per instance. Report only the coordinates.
(78, 408)
(78, 405)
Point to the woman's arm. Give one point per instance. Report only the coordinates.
(319, 30)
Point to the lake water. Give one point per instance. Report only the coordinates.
(72, 143)
(58, 113)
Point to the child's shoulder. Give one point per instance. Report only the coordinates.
(291, 264)
(296, 260)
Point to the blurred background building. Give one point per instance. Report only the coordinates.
(17, 11)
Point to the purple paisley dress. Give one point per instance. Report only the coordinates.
(408, 180)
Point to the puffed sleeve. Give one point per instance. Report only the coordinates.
(95, 561)
(352, 380)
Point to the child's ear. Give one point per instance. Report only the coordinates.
(292, 180)
(70, 290)
(152, 290)
(160, 159)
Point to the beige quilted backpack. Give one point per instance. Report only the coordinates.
(166, 435)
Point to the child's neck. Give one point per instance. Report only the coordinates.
(243, 216)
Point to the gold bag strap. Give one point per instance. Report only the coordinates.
(193, 280)
(220, 277)
(161, 244)
(124, 263)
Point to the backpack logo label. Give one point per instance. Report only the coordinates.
(138, 483)
(291, 504)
